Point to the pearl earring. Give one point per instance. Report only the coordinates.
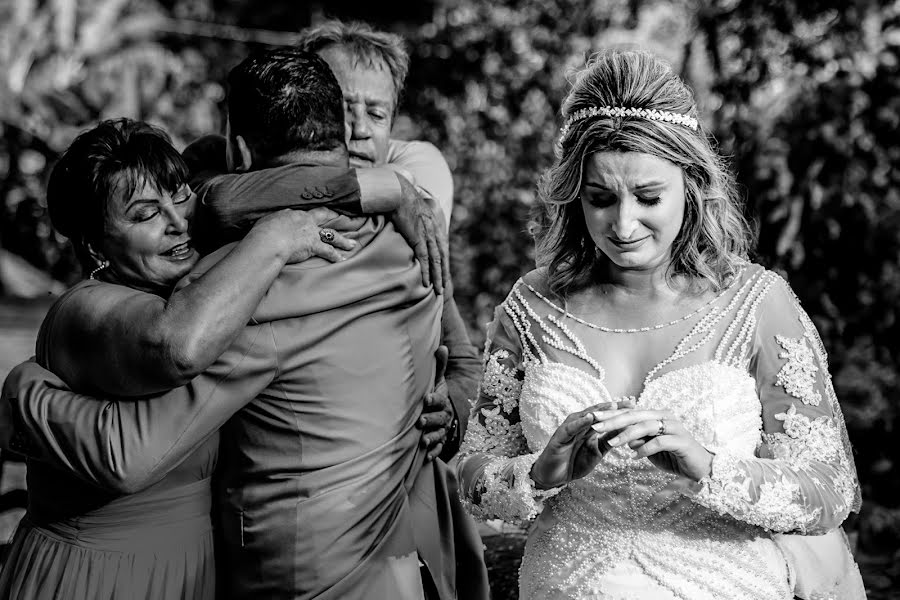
(102, 265)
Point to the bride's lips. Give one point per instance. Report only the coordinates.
(179, 251)
(627, 244)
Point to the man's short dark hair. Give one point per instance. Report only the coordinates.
(285, 100)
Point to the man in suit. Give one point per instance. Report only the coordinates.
(335, 427)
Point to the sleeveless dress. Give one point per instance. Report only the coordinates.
(80, 540)
(749, 381)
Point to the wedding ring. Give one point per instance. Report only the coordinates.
(326, 235)
(662, 427)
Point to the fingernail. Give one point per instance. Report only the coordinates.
(614, 441)
(598, 427)
(596, 416)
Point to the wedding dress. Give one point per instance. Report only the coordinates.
(749, 380)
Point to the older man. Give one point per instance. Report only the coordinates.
(371, 67)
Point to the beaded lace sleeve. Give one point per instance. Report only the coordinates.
(803, 478)
(494, 460)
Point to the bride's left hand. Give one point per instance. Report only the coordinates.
(659, 436)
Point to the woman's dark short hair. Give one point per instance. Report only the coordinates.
(715, 238)
(103, 164)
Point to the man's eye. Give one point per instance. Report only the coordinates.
(378, 116)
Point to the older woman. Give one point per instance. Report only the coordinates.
(660, 404)
(119, 194)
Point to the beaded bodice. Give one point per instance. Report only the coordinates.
(675, 537)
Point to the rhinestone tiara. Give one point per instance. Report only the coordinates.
(622, 111)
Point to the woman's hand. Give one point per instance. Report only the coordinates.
(659, 436)
(299, 231)
(574, 449)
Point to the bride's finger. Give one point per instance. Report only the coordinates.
(663, 443)
(635, 432)
(599, 417)
(608, 422)
(569, 430)
(635, 444)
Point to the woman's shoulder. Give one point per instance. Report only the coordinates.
(86, 303)
(756, 276)
(537, 280)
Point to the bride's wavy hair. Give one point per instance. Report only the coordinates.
(715, 238)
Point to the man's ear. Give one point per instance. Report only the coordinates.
(243, 154)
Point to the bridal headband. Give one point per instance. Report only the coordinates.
(620, 111)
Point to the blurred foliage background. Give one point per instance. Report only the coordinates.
(803, 95)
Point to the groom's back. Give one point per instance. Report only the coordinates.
(315, 470)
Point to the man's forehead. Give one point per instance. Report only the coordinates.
(361, 77)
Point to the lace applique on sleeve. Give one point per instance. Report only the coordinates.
(798, 375)
(494, 459)
(802, 478)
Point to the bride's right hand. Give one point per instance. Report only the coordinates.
(574, 448)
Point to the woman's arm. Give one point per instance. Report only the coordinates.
(124, 342)
(494, 459)
(804, 479)
(126, 445)
(227, 214)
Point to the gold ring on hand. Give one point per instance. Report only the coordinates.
(326, 234)
(662, 428)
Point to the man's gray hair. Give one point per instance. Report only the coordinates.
(373, 49)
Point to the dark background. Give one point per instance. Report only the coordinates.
(803, 96)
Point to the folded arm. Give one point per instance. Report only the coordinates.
(803, 478)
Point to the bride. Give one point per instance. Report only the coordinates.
(659, 403)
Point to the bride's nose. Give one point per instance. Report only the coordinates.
(625, 220)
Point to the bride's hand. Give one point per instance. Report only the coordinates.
(659, 436)
(574, 448)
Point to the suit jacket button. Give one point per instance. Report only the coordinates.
(306, 195)
(318, 193)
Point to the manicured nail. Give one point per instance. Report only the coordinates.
(599, 427)
(614, 441)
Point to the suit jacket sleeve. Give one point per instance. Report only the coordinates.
(127, 445)
(463, 368)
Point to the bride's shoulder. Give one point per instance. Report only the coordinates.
(536, 280)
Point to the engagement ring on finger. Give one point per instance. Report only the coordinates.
(327, 235)
(662, 427)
